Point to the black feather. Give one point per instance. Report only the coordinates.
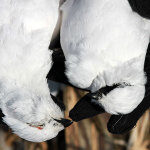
(119, 124)
(142, 7)
(88, 106)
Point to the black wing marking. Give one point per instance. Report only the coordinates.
(142, 7)
(119, 124)
(57, 72)
(55, 43)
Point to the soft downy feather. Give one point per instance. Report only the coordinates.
(106, 46)
(87, 107)
(26, 28)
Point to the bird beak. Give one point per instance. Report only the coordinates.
(65, 122)
(88, 106)
(85, 108)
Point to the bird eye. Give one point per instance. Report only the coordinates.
(55, 124)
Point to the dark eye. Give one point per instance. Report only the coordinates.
(55, 124)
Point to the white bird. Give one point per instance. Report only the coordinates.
(26, 28)
(105, 44)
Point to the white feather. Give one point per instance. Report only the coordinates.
(104, 43)
(26, 28)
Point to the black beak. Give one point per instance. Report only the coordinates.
(58, 102)
(65, 122)
(86, 107)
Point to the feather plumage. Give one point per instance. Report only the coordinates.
(105, 43)
(26, 28)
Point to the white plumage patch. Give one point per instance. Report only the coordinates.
(26, 28)
(104, 43)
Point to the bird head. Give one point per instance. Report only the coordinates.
(34, 118)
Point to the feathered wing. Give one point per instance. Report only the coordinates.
(25, 32)
(25, 40)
